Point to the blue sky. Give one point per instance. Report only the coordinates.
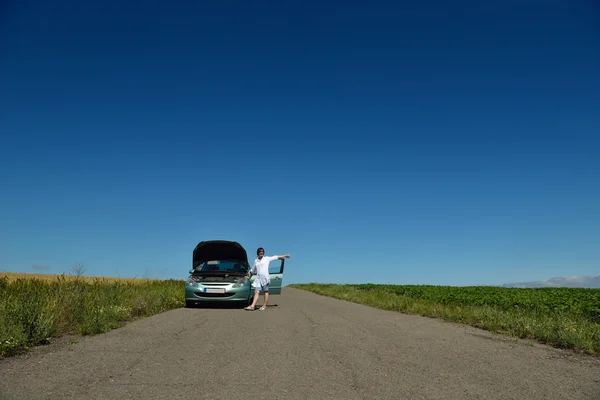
(451, 143)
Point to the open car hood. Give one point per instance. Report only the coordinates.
(213, 250)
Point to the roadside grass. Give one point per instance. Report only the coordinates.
(33, 310)
(560, 328)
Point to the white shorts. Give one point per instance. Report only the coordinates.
(261, 288)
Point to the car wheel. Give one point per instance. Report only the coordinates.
(189, 304)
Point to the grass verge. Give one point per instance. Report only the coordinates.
(34, 310)
(558, 328)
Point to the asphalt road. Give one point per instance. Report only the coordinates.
(305, 347)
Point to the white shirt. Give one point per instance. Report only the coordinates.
(261, 270)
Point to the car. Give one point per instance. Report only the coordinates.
(220, 274)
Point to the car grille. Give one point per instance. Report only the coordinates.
(202, 294)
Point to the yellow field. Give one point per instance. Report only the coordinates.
(50, 277)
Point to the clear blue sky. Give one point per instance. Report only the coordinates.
(452, 143)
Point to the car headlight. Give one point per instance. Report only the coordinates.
(240, 282)
(191, 282)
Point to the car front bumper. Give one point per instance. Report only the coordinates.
(200, 293)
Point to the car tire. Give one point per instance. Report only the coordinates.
(189, 304)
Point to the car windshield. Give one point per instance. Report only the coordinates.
(221, 265)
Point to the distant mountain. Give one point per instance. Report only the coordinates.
(571, 281)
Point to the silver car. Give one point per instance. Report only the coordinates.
(220, 274)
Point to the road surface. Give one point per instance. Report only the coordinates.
(304, 347)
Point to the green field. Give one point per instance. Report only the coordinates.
(562, 317)
(35, 309)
